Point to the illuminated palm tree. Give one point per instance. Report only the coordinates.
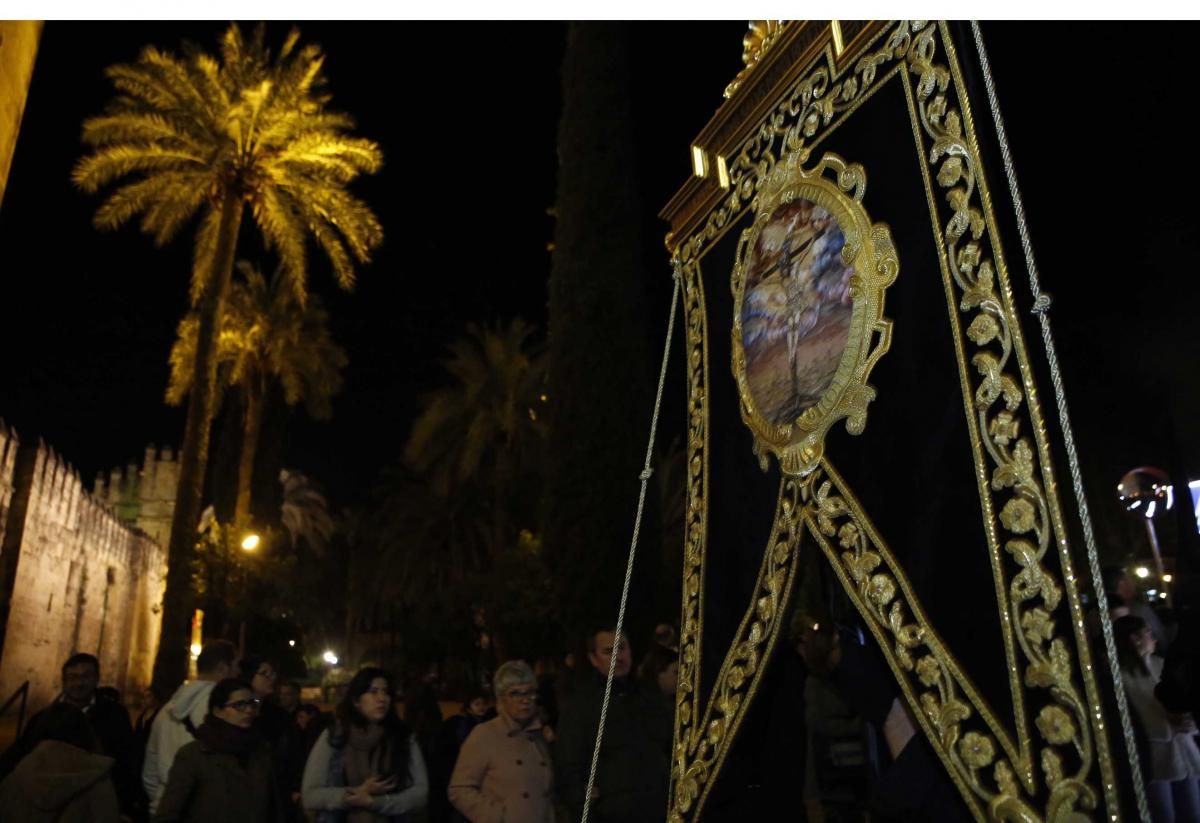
(213, 137)
(265, 333)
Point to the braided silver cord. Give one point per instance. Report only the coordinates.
(1041, 309)
(644, 476)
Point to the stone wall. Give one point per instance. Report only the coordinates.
(77, 578)
(143, 497)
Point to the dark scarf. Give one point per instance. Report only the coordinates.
(359, 753)
(226, 738)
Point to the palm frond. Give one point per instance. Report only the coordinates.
(114, 161)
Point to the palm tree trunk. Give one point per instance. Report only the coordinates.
(252, 425)
(171, 662)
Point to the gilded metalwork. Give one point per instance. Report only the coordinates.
(700, 748)
(1045, 772)
(761, 36)
(798, 443)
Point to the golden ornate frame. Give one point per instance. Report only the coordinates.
(802, 89)
(799, 444)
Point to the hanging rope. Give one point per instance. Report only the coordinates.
(1041, 309)
(645, 475)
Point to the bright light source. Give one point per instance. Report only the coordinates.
(330, 658)
(1152, 593)
(250, 542)
(1167, 578)
(195, 649)
(291, 642)
(1142, 572)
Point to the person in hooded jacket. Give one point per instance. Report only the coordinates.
(62, 780)
(226, 773)
(176, 723)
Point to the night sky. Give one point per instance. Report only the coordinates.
(466, 115)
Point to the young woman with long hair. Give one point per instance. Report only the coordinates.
(1174, 768)
(367, 767)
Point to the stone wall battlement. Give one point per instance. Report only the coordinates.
(76, 573)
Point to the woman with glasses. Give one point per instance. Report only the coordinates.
(367, 767)
(503, 771)
(225, 774)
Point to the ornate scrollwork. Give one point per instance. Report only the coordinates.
(700, 747)
(999, 777)
(761, 36)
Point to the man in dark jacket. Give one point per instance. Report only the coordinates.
(108, 719)
(632, 775)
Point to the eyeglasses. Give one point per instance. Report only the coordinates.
(521, 694)
(251, 705)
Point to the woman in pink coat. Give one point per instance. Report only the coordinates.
(503, 771)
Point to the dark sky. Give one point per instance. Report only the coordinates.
(466, 115)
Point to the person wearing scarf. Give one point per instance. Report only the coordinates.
(368, 767)
(225, 774)
(503, 773)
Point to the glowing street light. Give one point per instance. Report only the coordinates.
(330, 658)
(195, 649)
(292, 643)
(1142, 572)
(1167, 578)
(250, 542)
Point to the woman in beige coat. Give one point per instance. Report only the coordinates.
(503, 771)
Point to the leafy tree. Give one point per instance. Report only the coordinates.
(213, 137)
(265, 333)
(461, 506)
(486, 427)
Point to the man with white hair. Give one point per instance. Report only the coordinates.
(503, 773)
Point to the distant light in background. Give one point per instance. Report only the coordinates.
(1142, 572)
(330, 658)
(195, 649)
(1152, 593)
(250, 542)
(1167, 578)
(291, 642)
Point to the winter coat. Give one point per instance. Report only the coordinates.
(170, 733)
(60, 783)
(631, 779)
(324, 787)
(207, 786)
(503, 775)
(110, 722)
(1173, 752)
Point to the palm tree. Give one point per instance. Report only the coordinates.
(265, 333)
(488, 424)
(211, 137)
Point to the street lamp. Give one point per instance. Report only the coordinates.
(250, 542)
(330, 658)
(1146, 493)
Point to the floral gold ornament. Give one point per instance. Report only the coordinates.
(808, 289)
(758, 39)
(1049, 760)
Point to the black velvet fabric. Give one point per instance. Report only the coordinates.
(912, 469)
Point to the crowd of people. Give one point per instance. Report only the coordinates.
(234, 745)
